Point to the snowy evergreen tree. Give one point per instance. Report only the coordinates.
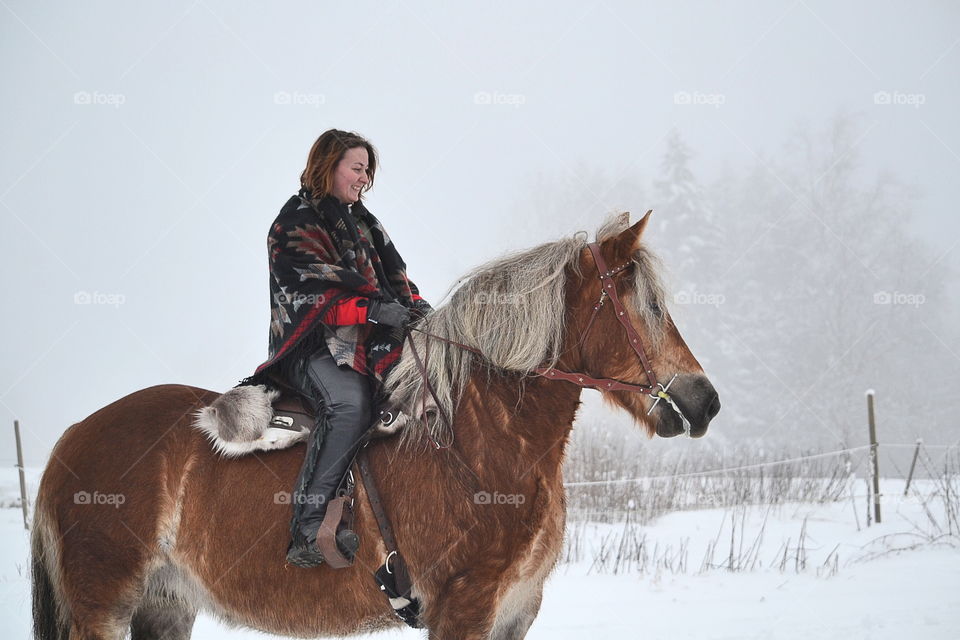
(822, 309)
(686, 228)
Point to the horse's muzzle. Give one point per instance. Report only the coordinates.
(697, 400)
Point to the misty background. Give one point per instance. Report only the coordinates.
(801, 159)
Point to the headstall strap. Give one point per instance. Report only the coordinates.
(608, 290)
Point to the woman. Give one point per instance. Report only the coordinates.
(340, 303)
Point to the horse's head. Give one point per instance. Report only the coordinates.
(599, 344)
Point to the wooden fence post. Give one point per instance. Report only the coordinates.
(23, 482)
(874, 457)
(913, 465)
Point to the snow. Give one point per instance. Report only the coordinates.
(894, 580)
(889, 598)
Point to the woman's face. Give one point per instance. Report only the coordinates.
(351, 175)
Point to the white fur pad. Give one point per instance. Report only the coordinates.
(238, 422)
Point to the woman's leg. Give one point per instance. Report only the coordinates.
(345, 402)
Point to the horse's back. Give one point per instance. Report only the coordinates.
(134, 432)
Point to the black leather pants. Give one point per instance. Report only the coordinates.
(343, 402)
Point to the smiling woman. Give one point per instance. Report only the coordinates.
(342, 164)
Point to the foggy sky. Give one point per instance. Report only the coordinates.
(148, 148)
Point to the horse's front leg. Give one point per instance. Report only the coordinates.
(494, 614)
(464, 609)
(513, 623)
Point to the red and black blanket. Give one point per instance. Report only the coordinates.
(324, 272)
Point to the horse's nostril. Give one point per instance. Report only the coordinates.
(714, 407)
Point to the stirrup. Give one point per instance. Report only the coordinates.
(335, 540)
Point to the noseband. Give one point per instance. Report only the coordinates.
(608, 290)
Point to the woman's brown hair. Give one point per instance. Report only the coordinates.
(325, 153)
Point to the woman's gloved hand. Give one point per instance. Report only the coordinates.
(391, 314)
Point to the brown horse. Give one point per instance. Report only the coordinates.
(140, 525)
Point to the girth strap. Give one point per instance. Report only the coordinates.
(393, 577)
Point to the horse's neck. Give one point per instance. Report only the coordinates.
(509, 443)
(503, 423)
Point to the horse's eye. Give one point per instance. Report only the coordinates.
(655, 308)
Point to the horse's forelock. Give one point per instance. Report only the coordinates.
(649, 296)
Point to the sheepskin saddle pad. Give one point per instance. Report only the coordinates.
(262, 418)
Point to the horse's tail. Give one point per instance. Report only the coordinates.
(50, 619)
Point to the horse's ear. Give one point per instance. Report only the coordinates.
(630, 238)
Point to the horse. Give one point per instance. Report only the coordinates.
(140, 524)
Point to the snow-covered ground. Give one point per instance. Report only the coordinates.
(806, 572)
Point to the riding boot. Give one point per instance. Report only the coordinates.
(318, 486)
(323, 471)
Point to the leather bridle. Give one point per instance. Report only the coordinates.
(608, 290)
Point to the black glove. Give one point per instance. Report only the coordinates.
(420, 310)
(391, 314)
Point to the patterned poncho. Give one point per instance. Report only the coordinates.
(323, 274)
